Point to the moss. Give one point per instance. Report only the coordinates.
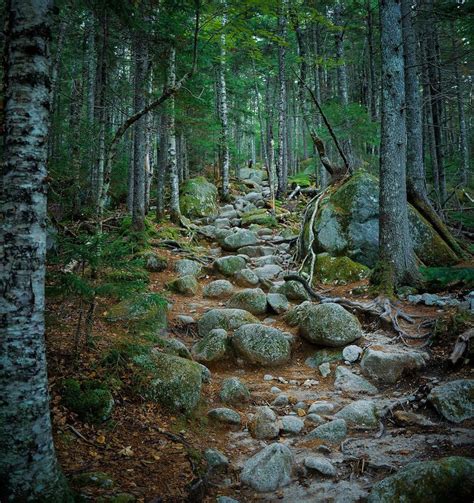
(128, 275)
(259, 217)
(198, 198)
(382, 279)
(445, 277)
(90, 400)
(186, 285)
(168, 232)
(340, 270)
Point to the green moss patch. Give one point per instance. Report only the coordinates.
(339, 270)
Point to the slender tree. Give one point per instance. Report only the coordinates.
(397, 262)
(28, 467)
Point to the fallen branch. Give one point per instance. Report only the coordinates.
(295, 192)
(461, 346)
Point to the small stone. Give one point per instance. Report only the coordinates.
(224, 415)
(278, 302)
(361, 413)
(264, 424)
(310, 382)
(215, 459)
(186, 285)
(185, 320)
(275, 390)
(321, 408)
(321, 465)
(268, 377)
(280, 401)
(325, 369)
(233, 391)
(351, 353)
(291, 424)
(185, 267)
(334, 431)
(454, 400)
(218, 289)
(299, 405)
(246, 277)
(348, 381)
(315, 419)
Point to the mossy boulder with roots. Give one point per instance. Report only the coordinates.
(198, 198)
(347, 224)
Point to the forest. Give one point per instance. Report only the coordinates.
(236, 251)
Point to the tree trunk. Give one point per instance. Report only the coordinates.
(175, 211)
(161, 166)
(372, 81)
(222, 94)
(282, 166)
(397, 263)
(28, 467)
(139, 138)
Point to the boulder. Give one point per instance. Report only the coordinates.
(224, 415)
(246, 277)
(350, 382)
(339, 270)
(260, 344)
(213, 347)
(329, 324)
(264, 424)
(351, 353)
(252, 300)
(454, 400)
(268, 272)
(186, 285)
(269, 469)
(291, 425)
(154, 263)
(387, 364)
(321, 465)
(321, 407)
(216, 460)
(220, 288)
(185, 267)
(256, 251)
(227, 319)
(334, 431)
(294, 290)
(170, 380)
(198, 198)
(256, 175)
(446, 479)
(324, 356)
(229, 265)
(278, 302)
(233, 391)
(238, 239)
(172, 346)
(347, 224)
(361, 414)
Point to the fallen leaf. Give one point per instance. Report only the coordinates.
(100, 439)
(126, 451)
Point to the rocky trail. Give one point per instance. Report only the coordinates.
(305, 422)
(303, 402)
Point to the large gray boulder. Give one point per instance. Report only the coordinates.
(360, 414)
(218, 289)
(185, 266)
(198, 198)
(446, 479)
(352, 383)
(347, 223)
(213, 347)
(269, 469)
(329, 325)
(334, 431)
(227, 319)
(253, 300)
(186, 285)
(293, 290)
(264, 423)
(387, 364)
(260, 344)
(246, 277)
(234, 391)
(229, 265)
(454, 400)
(238, 239)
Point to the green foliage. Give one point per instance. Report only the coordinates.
(444, 277)
(452, 324)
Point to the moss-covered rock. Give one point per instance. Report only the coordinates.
(234, 391)
(90, 400)
(347, 224)
(172, 347)
(212, 347)
(154, 262)
(229, 265)
(293, 290)
(186, 285)
(169, 380)
(142, 311)
(198, 198)
(454, 400)
(253, 300)
(324, 356)
(227, 319)
(260, 217)
(340, 270)
(447, 479)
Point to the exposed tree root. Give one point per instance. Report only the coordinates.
(461, 345)
(381, 308)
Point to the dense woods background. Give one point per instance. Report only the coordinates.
(112, 111)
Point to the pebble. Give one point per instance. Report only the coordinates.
(310, 382)
(321, 465)
(275, 390)
(351, 353)
(280, 401)
(325, 369)
(268, 377)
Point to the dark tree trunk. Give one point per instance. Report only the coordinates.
(28, 467)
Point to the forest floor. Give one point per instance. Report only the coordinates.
(156, 455)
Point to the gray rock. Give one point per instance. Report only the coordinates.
(246, 277)
(198, 198)
(154, 263)
(264, 424)
(278, 302)
(226, 499)
(269, 469)
(321, 465)
(186, 285)
(222, 223)
(229, 265)
(315, 419)
(256, 251)
(233, 391)
(446, 479)
(293, 290)
(213, 347)
(329, 325)
(208, 230)
(224, 415)
(348, 381)
(325, 369)
(239, 239)
(216, 460)
(291, 424)
(454, 400)
(185, 319)
(262, 345)
(322, 407)
(280, 400)
(351, 353)
(333, 431)
(387, 364)
(227, 319)
(172, 346)
(267, 260)
(220, 288)
(185, 267)
(268, 272)
(361, 413)
(252, 300)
